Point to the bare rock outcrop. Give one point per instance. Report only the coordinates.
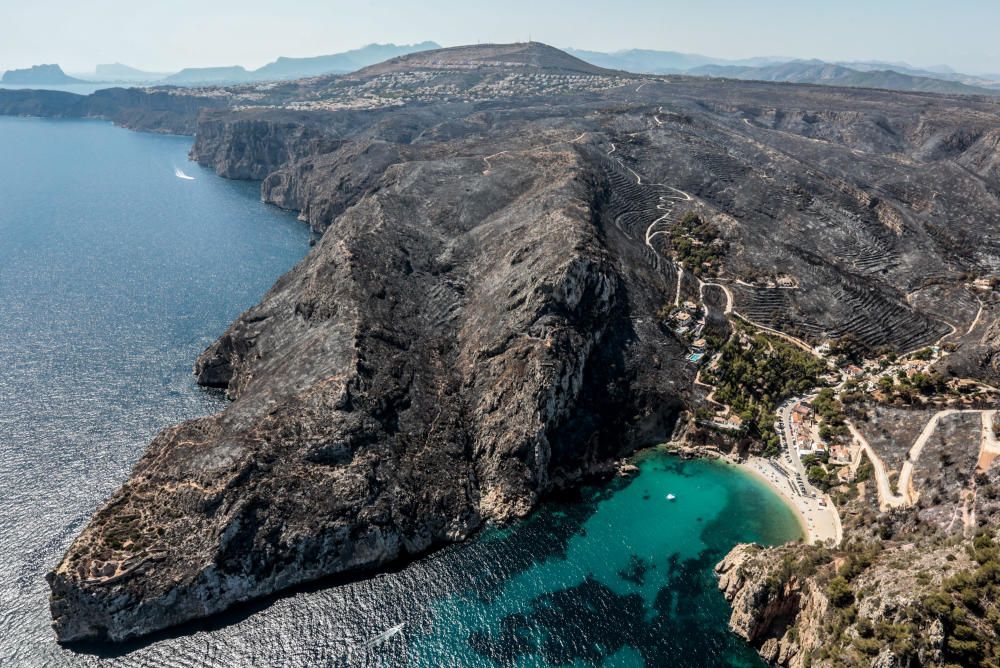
(773, 610)
(483, 318)
(442, 357)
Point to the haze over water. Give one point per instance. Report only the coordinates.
(115, 274)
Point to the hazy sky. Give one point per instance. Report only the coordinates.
(165, 36)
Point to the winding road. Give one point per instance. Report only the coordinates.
(886, 497)
(781, 335)
(906, 494)
(729, 295)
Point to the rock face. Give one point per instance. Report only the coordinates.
(779, 615)
(253, 148)
(914, 599)
(454, 347)
(481, 321)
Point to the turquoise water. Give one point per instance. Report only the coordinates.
(619, 577)
(115, 274)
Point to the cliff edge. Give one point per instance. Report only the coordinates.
(456, 345)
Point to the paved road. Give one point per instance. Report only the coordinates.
(791, 455)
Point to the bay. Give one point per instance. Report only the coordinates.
(115, 274)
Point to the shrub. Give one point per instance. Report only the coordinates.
(839, 592)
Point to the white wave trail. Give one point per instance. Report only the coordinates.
(181, 175)
(385, 635)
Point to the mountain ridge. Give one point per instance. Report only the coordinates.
(653, 61)
(533, 55)
(823, 73)
(287, 68)
(348, 61)
(125, 73)
(864, 74)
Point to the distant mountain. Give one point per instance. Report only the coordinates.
(47, 75)
(298, 68)
(863, 74)
(942, 72)
(647, 61)
(206, 75)
(819, 72)
(526, 54)
(338, 63)
(119, 72)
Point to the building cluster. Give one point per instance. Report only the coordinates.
(415, 87)
(804, 428)
(689, 324)
(780, 281)
(867, 377)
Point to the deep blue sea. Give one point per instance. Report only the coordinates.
(115, 274)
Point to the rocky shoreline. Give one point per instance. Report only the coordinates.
(781, 616)
(366, 385)
(492, 312)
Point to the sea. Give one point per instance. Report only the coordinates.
(115, 273)
(82, 88)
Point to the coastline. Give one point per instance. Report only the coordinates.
(819, 523)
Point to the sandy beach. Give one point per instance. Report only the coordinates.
(819, 522)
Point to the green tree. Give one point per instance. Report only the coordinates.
(839, 592)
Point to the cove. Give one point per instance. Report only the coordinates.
(620, 576)
(115, 274)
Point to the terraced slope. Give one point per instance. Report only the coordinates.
(480, 322)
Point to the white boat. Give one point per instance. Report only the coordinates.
(181, 175)
(670, 497)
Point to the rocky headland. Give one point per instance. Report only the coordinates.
(39, 75)
(486, 315)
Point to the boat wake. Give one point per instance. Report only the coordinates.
(181, 175)
(385, 635)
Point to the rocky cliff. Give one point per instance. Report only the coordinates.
(246, 146)
(169, 111)
(456, 345)
(916, 599)
(778, 612)
(483, 319)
